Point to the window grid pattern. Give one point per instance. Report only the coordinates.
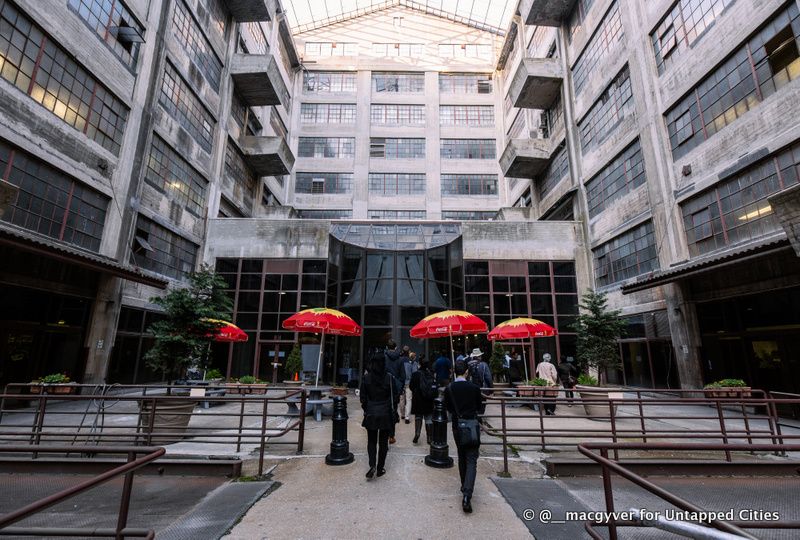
(737, 209)
(465, 83)
(181, 103)
(404, 50)
(104, 18)
(613, 105)
(237, 170)
(170, 173)
(577, 17)
(466, 115)
(326, 147)
(752, 73)
(552, 119)
(623, 175)
(556, 171)
(323, 183)
(465, 50)
(630, 254)
(325, 214)
(170, 255)
(219, 16)
(468, 149)
(397, 148)
(50, 202)
(469, 184)
(44, 71)
(197, 47)
(604, 40)
(412, 83)
(328, 113)
(238, 110)
(255, 31)
(397, 214)
(467, 215)
(525, 200)
(324, 49)
(398, 115)
(685, 22)
(396, 184)
(328, 82)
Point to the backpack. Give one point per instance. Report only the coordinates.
(476, 373)
(427, 386)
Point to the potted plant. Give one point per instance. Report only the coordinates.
(250, 385)
(213, 376)
(589, 388)
(56, 383)
(294, 365)
(537, 388)
(728, 388)
(497, 366)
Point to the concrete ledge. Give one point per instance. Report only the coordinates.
(679, 467)
(249, 10)
(267, 156)
(231, 468)
(536, 83)
(545, 12)
(258, 80)
(525, 158)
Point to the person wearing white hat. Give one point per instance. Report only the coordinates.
(480, 373)
(547, 371)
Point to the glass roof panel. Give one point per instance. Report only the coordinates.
(396, 237)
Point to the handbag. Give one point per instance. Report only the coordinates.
(468, 430)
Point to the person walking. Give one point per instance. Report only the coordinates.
(423, 391)
(443, 367)
(480, 372)
(547, 371)
(380, 413)
(464, 401)
(568, 374)
(516, 369)
(394, 365)
(410, 365)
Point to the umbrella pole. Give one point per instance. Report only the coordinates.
(525, 363)
(319, 360)
(452, 350)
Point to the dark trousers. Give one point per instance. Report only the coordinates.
(377, 441)
(467, 467)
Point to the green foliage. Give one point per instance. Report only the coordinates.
(496, 360)
(584, 379)
(53, 378)
(727, 383)
(294, 362)
(183, 337)
(598, 328)
(247, 379)
(538, 382)
(213, 374)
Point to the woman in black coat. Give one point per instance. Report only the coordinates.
(379, 405)
(423, 391)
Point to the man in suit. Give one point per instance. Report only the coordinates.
(464, 400)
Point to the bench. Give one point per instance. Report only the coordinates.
(314, 405)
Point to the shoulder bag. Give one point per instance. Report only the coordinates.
(468, 431)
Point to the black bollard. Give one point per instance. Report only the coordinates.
(438, 456)
(340, 446)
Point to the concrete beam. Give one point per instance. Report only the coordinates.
(267, 156)
(525, 158)
(536, 83)
(545, 12)
(249, 10)
(786, 205)
(258, 80)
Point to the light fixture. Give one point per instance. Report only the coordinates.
(756, 213)
(282, 293)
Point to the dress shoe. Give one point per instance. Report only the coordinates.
(370, 473)
(392, 440)
(408, 421)
(466, 504)
(381, 472)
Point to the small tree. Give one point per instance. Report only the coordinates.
(184, 335)
(294, 362)
(496, 361)
(598, 329)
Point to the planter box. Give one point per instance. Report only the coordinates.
(58, 388)
(339, 392)
(729, 392)
(537, 391)
(170, 420)
(597, 408)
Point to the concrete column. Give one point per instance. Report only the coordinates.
(102, 328)
(685, 331)
(361, 165)
(433, 159)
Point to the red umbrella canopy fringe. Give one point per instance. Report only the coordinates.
(521, 328)
(448, 323)
(225, 332)
(317, 320)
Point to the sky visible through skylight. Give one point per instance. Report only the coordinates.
(305, 15)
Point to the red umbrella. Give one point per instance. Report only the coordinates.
(322, 321)
(521, 328)
(227, 332)
(448, 323)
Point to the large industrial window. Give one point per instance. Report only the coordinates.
(405, 50)
(469, 184)
(306, 182)
(50, 202)
(170, 173)
(218, 15)
(325, 214)
(162, 251)
(468, 215)
(468, 149)
(47, 73)
(552, 119)
(198, 49)
(397, 214)
(239, 181)
(765, 63)
(737, 209)
(605, 39)
(624, 174)
(398, 82)
(465, 50)
(398, 115)
(396, 148)
(328, 82)
(465, 83)
(331, 48)
(578, 15)
(614, 104)
(185, 107)
(257, 39)
(466, 115)
(396, 183)
(114, 24)
(557, 170)
(628, 255)
(326, 147)
(328, 113)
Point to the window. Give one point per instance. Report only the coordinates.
(525, 200)
(181, 103)
(396, 183)
(761, 66)
(397, 148)
(682, 26)
(258, 41)
(613, 105)
(325, 214)
(44, 71)
(604, 40)
(466, 115)
(114, 24)
(397, 214)
(323, 82)
(323, 183)
(51, 203)
(557, 170)
(162, 251)
(552, 119)
(737, 209)
(469, 184)
(328, 113)
(577, 17)
(624, 174)
(239, 183)
(468, 149)
(330, 48)
(466, 215)
(171, 174)
(398, 82)
(405, 50)
(465, 50)
(198, 49)
(465, 83)
(628, 255)
(398, 115)
(326, 147)
(218, 15)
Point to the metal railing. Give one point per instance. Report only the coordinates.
(609, 465)
(128, 469)
(152, 414)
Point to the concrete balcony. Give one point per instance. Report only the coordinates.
(258, 80)
(536, 83)
(267, 156)
(249, 10)
(525, 158)
(545, 12)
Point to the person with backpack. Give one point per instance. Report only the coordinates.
(424, 391)
(480, 373)
(443, 367)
